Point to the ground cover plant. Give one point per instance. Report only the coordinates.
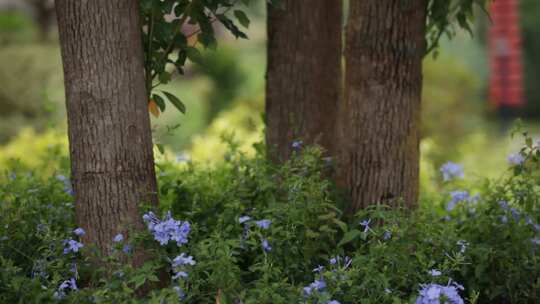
(247, 231)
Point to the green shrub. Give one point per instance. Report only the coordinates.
(246, 231)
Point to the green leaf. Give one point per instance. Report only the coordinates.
(194, 55)
(242, 18)
(349, 237)
(159, 101)
(341, 225)
(164, 77)
(176, 102)
(207, 40)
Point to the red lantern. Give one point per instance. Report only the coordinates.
(505, 55)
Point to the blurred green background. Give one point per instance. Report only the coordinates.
(225, 96)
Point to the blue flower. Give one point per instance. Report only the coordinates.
(72, 246)
(463, 246)
(434, 272)
(178, 265)
(39, 269)
(150, 219)
(365, 224)
(79, 232)
(348, 262)
(67, 184)
(515, 214)
(266, 246)
(451, 170)
(457, 197)
(317, 285)
(515, 159)
(167, 229)
(243, 219)
(333, 302)
(435, 294)
(183, 260)
(64, 286)
(297, 144)
(180, 274)
(74, 270)
(179, 292)
(126, 249)
(41, 228)
(387, 235)
(319, 268)
(118, 238)
(333, 261)
(535, 241)
(263, 224)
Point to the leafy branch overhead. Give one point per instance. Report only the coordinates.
(171, 31)
(445, 17)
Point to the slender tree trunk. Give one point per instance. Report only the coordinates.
(109, 128)
(303, 74)
(383, 83)
(44, 16)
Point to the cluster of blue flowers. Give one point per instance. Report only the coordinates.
(337, 261)
(365, 224)
(451, 171)
(67, 184)
(263, 224)
(318, 286)
(179, 263)
(71, 245)
(462, 246)
(119, 239)
(515, 159)
(297, 144)
(167, 229)
(60, 293)
(459, 196)
(440, 294)
(517, 216)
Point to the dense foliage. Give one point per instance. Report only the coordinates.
(246, 231)
(172, 29)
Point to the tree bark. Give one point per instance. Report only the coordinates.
(379, 160)
(303, 75)
(109, 127)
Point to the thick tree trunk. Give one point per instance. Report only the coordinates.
(383, 83)
(303, 74)
(109, 128)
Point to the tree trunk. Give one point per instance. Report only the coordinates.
(303, 74)
(44, 16)
(379, 160)
(109, 127)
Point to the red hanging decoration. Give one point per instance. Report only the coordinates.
(505, 55)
